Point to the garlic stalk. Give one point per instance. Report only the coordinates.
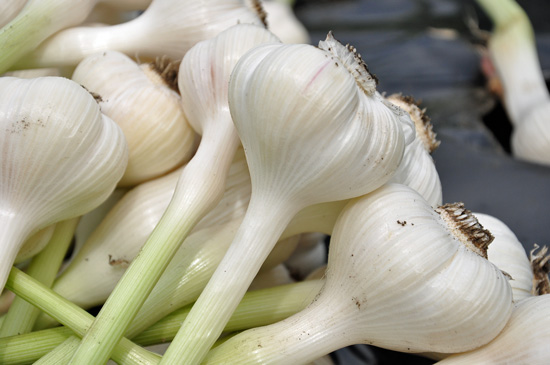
(145, 107)
(526, 99)
(70, 315)
(417, 169)
(429, 287)
(259, 307)
(314, 129)
(199, 188)
(44, 266)
(167, 27)
(524, 339)
(9, 10)
(37, 21)
(77, 157)
(508, 254)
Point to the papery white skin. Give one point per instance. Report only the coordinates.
(77, 157)
(148, 112)
(426, 291)
(509, 255)
(167, 27)
(524, 339)
(9, 10)
(417, 169)
(282, 21)
(34, 244)
(304, 115)
(35, 72)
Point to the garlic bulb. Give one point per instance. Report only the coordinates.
(524, 339)
(167, 27)
(77, 157)
(282, 21)
(34, 244)
(278, 275)
(308, 256)
(147, 110)
(412, 256)
(417, 169)
(314, 129)
(531, 138)
(508, 254)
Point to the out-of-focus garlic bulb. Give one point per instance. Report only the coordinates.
(417, 169)
(282, 21)
(524, 339)
(145, 107)
(400, 276)
(9, 10)
(508, 254)
(61, 158)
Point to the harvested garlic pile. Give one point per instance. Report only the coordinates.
(231, 142)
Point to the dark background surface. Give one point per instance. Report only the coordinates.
(424, 48)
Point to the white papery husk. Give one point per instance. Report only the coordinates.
(524, 339)
(167, 28)
(509, 255)
(398, 277)
(77, 157)
(282, 21)
(146, 109)
(417, 169)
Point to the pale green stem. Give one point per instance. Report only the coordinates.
(199, 189)
(43, 267)
(258, 308)
(502, 12)
(265, 220)
(68, 313)
(61, 354)
(37, 21)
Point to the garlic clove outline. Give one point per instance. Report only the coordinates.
(77, 157)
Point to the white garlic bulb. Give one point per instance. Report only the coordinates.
(61, 157)
(282, 21)
(145, 107)
(524, 339)
(508, 254)
(34, 244)
(400, 276)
